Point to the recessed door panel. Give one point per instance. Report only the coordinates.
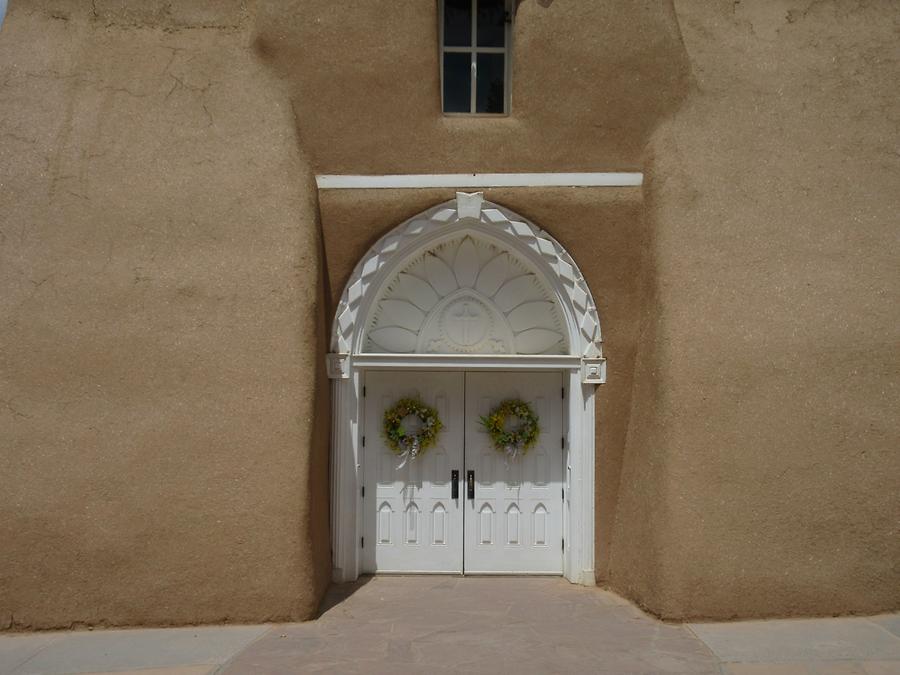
(518, 506)
(439, 525)
(411, 522)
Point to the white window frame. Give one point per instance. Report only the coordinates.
(473, 51)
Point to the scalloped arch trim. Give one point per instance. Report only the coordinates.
(550, 259)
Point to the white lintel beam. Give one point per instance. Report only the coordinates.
(466, 361)
(479, 180)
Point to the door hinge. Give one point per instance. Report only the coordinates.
(364, 441)
(563, 392)
(364, 491)
(362, 542)
(562, 492)
(364, 392)
(562, 443)
(563, 544)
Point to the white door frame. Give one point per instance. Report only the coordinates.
(585, 367)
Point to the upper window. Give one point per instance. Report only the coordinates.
(475, 56)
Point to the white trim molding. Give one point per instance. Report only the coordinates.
(479, 180)
(467, 362)
(583, 365)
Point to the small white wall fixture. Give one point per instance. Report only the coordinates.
(467, 285)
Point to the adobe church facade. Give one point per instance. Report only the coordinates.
(236, 235)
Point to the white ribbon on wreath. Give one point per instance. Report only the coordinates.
(410, 450)
(512, 451)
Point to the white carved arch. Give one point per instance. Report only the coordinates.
(483, 223)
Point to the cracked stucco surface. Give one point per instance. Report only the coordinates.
(160, 273)
(159, 267)
(761, 473)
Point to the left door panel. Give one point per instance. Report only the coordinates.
(411, 522)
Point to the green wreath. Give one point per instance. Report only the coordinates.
(403, 442)
(518, 440)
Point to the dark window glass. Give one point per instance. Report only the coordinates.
(457, 82)
(458, 23)
(491, 23)
(489, 94)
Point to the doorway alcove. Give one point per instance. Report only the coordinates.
(466, 286)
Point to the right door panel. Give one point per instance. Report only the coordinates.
(515, 521)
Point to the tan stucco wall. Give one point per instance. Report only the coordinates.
(762, 465)
(159, 271)
(608, 69)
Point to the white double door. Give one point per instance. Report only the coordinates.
(506, 517)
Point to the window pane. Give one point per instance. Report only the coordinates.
(457, 23)
(489, 94)
(491, 23)
(457, 82)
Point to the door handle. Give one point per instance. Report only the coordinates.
(454, 484)
(470, 484)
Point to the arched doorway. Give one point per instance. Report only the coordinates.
(463, 305)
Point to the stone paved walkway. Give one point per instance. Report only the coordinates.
(472, 625)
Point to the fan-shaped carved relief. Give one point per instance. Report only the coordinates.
(466, 296)
(502, 297)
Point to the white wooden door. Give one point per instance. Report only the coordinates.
(514, 524)
(412, 524)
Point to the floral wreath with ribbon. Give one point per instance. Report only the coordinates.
(404, 442)
(516, 441)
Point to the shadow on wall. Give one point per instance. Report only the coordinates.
(320, 442)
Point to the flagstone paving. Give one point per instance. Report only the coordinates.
(479, 625)
(435, 624)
